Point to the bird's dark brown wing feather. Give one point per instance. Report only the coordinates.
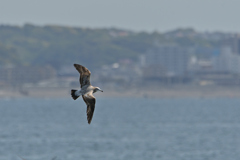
(84, 75)
(90, 102)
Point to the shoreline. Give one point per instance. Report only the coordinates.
(144, 92)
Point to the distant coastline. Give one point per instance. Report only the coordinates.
(178, 91)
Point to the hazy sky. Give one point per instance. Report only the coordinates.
(137, 15)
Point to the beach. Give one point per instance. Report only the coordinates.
(174, 91)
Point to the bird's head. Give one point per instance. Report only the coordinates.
(97, 89)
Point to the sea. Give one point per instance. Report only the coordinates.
(121, 129)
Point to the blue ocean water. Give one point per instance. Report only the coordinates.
(121, 129)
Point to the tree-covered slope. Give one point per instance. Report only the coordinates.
(59, 45)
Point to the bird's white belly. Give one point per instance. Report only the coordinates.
(83, 91)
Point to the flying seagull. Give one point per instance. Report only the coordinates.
(86, 90)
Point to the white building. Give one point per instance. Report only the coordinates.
(227, 61)
(170, 59)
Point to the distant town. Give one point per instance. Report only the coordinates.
(162, 64)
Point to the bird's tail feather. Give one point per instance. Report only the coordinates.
(73, 94)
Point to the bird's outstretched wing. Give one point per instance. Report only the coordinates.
(90, 101)
(84, 75)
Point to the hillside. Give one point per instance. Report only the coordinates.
(59, 45)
